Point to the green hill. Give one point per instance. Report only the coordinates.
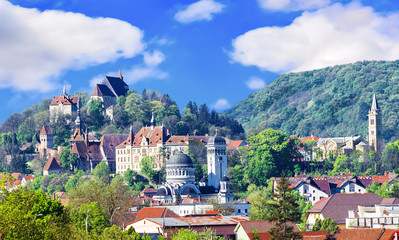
(333, 101)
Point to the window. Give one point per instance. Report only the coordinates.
(351, 187)
(372, 121)
(321, 198)
(314, 198)
(239, 210)
(372, 132)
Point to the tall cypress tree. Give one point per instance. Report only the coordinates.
(284, 211)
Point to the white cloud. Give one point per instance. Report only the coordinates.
(255, 83)
(292, 5)
(333, 35)
(221, 104)
(149, 69)
(153, 59)
(37, 47)
(201, 10)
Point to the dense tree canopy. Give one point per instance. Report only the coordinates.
(270, 153)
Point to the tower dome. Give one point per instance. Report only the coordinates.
(180, 159)
(217, 140)
(180, 169)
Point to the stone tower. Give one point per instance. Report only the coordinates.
(46, 137)
(217, 160)
(375, 128)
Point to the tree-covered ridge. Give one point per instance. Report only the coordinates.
(333, 101)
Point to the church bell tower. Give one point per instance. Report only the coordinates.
(375, 128)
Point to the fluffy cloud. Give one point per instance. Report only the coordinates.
(36, 47)
(255, 83)
(139, 72)
(333, 35)
(201, 10)
(292, 5)
(221, 104)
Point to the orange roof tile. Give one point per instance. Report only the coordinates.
(46, 130)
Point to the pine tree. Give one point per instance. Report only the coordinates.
(284, 211)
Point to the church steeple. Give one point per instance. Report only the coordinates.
(374, 105)
(375, 128)
(64, 91)
(120, 74)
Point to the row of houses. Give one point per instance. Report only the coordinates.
(317, 188)
(161, 221)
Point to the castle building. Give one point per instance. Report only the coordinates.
(91, 151)
(180, 176)
(153, 141)
(375, 128)
(63, 104)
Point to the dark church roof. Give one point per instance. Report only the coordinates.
(102, 90)
(117, 86)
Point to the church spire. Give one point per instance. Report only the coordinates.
(120, 73)
(374, 105)
(64, 91)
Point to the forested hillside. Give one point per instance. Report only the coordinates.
(333, 101)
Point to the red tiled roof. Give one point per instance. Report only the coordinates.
(46, 130)
(149, 190)
(52, 164)
(262, 226)
(360, 233)
(16, 182)
(65, 100)
(154, 212)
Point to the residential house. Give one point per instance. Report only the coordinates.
(245, 229)
(383, 215)
(222, 225)
(336, 207)
(316, 188)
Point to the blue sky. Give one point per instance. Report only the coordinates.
(209, 51)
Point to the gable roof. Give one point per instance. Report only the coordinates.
(261, 226)
(337, 206)
(108, 143)
(52, 164)
(102, 90)
(116, 85)
(152, 136)
(46, 130)
(154, 212)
